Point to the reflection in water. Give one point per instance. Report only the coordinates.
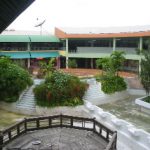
(129, 111)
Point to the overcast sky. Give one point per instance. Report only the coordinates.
(83, 13)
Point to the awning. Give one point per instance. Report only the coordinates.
(44, 54)
(16, 55)
(29, 38)
(27, 54)
(14, 38)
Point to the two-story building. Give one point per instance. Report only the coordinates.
(28, 47)
(85, 45)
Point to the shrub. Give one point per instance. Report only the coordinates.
(112, 84)
(145, 71)
(110, 81)
(60, 89)
(147, 99)
(13, 80)
(72, 63)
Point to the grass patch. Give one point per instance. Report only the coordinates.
(9, 118)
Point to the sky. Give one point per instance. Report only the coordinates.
(83, 13)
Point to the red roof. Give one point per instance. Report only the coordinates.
(62, 34)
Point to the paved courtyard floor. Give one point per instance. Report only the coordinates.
(127, 109)
(59, 139)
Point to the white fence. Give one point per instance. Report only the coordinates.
(135, 139)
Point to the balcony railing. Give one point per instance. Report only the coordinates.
(39, 123)
(107, 50)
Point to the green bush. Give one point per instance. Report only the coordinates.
(147, 99)
(72, 63)
(112, 84)
(13, 80)
(110, 81)
(60, 89)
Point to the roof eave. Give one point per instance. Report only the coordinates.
(60, 34)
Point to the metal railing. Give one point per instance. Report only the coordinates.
(31, 124)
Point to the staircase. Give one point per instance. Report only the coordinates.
(96, 96)
(26, 103)
(94, 92)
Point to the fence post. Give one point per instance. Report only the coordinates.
(18, 129)
(25, 124)
(71, 121)
(107, 135)
(37, 123)
(115, 144)
(61, 120)
(1, 140)
(50, 121)
(94, 124)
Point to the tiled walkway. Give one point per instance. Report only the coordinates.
(92, 72)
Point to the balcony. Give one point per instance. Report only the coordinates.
(100, 52)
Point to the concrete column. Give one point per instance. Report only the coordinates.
(58, 62)
(67, 53)
(28, 65)
(92, 66)
(86, 63)
(141, 44)
(140, 48)
(28, 49)
(114, 44)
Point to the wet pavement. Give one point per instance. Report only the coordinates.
(127, 109)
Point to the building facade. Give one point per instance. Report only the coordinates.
(28, 48)
(85, 45)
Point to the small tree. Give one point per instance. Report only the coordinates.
(111, 65)
(117, 58)
(72, 63)
(47, 68)
(110, 80)
(145, 70)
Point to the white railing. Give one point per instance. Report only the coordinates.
(103, 50)
(133, 138)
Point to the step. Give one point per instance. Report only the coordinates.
(24, 103)
(27, 97)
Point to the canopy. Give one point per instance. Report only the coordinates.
(27, 54)
(16, 55)
(28, 38)
(44, 54)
